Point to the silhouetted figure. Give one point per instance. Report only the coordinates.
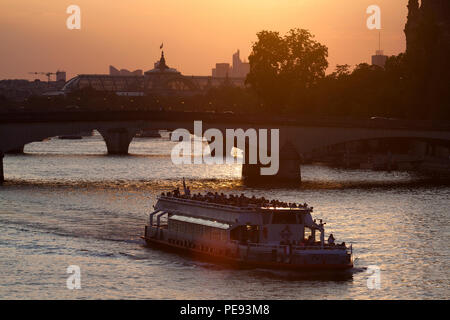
(331, 239)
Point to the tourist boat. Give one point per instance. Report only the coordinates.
(244, 232)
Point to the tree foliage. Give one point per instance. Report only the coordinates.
(282, 68)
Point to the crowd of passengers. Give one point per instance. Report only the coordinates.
(233, 200)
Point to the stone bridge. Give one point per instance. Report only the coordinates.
(296, 136)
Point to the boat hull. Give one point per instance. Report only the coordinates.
(241, 263)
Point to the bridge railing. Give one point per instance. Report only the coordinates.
(225, 117)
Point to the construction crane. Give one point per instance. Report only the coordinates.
(48, 74)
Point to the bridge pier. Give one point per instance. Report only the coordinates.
(118, 140)
(2, 177)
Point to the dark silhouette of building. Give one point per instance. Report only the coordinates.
(124, 72)
(19, 90)
(427, 53)
(222, 70)
(161, 80)
(239, 69)
(424, 18)
(379, 59)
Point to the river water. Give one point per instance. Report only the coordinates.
(68, 203)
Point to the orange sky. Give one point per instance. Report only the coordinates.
(196, 33)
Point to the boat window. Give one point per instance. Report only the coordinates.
(245, 234)
(173, 225)
(307, 233)
(204, 222)
(215, 234)
(223, 235)
(284, 218)
(197, 229)
(308, 236)
(182, 227)
(206, 232)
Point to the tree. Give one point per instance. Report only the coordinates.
(282, 69)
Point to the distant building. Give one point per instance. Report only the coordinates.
(161, 80)
(61, 76)
(379, 59)
(222, 70)
(19, 90)
(428, 47)
(239, 69)
(124, 72)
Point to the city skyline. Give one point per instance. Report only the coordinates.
(192, 43)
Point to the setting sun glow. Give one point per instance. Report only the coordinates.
(196, 33)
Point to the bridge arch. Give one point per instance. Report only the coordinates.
(117, 136)
(302, 136)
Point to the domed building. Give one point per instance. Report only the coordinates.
(161, 80)
(165, 80)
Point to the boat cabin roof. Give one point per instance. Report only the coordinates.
(199, 221)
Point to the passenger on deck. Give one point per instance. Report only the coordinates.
(331, 239)
(233, 200)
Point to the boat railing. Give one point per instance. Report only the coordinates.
(265, 245)
(293, 247)
(209, 204)
(319, 247)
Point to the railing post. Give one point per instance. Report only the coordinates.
(151, 216)
(158, 224)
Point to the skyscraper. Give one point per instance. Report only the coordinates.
(61, 76)
(239, 69)
(222, 70)
(379, 59)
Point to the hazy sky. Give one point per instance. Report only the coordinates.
(196, 33)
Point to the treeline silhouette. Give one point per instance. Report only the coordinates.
(287, 77)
